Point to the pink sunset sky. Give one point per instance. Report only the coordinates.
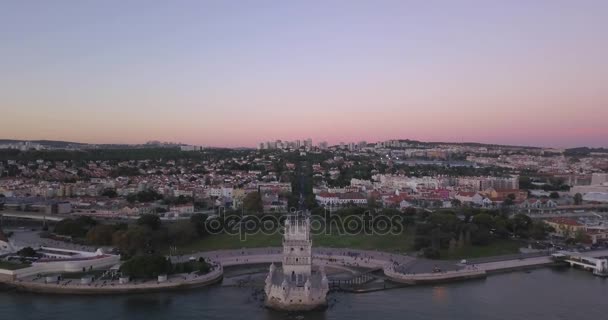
(235, 73)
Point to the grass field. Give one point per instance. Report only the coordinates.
(496, 248)
(393, 243)
(390, 243)
(13, 266)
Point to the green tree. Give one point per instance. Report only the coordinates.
(198, 220)
(253, 202)
(430, 253)
(152, 221)
(579, 236)
(136, 240)
(520, 224)
(578, 199)
(539, 230)
(483, 219)
(76, 228)
(554, 195)
(27, 252)
(146, 266)
(372, 203)
(109, 192)
(100, 235)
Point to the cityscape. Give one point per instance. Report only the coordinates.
(318, 160)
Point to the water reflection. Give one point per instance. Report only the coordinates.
(440, 294)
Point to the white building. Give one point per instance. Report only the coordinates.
(341, 199)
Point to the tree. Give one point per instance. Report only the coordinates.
(76, 228)
(101, 235)
(554, 195)
(520, 223)
(430, 253)
(152, 221)
(253, 202)
(483, 219)
(372, 203)
(135, 240)
(481, 236)
(146, 266)
(109, 192)
(410, 211)
(27, 252)
(579, 236)
(198, 220)
(539, 230)
(578, 199)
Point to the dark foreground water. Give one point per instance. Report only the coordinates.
(541, 294)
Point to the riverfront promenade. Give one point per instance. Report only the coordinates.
(74, 286)
(396, 267)
(321, 256)
(392, 264)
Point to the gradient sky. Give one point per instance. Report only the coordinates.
(233, 73)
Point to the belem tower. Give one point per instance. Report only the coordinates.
(296, 285)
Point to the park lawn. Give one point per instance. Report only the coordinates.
(226, 241)
(391, 243)
(394, 243)
(13, 266)
(495, 248)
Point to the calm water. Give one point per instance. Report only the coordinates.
(542, 294)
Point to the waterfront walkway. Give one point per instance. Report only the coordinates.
(74, 286)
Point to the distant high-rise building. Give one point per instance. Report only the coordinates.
(308, 143)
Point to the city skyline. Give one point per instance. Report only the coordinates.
(235, 74)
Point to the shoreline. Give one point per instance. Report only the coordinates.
(211, 278)
(324, 257)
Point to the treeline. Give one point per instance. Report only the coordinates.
(583, 151)
(431, 170)
(150, 266)
(445, 230)
(147, 236)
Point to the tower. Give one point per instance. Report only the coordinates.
(297, 250)
(297, 286)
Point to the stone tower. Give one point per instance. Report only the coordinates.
(297, 285)
(297, 250)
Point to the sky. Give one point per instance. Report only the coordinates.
(235, 73)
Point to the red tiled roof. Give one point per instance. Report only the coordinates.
(566, 221)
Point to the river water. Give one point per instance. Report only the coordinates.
(559, 293)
